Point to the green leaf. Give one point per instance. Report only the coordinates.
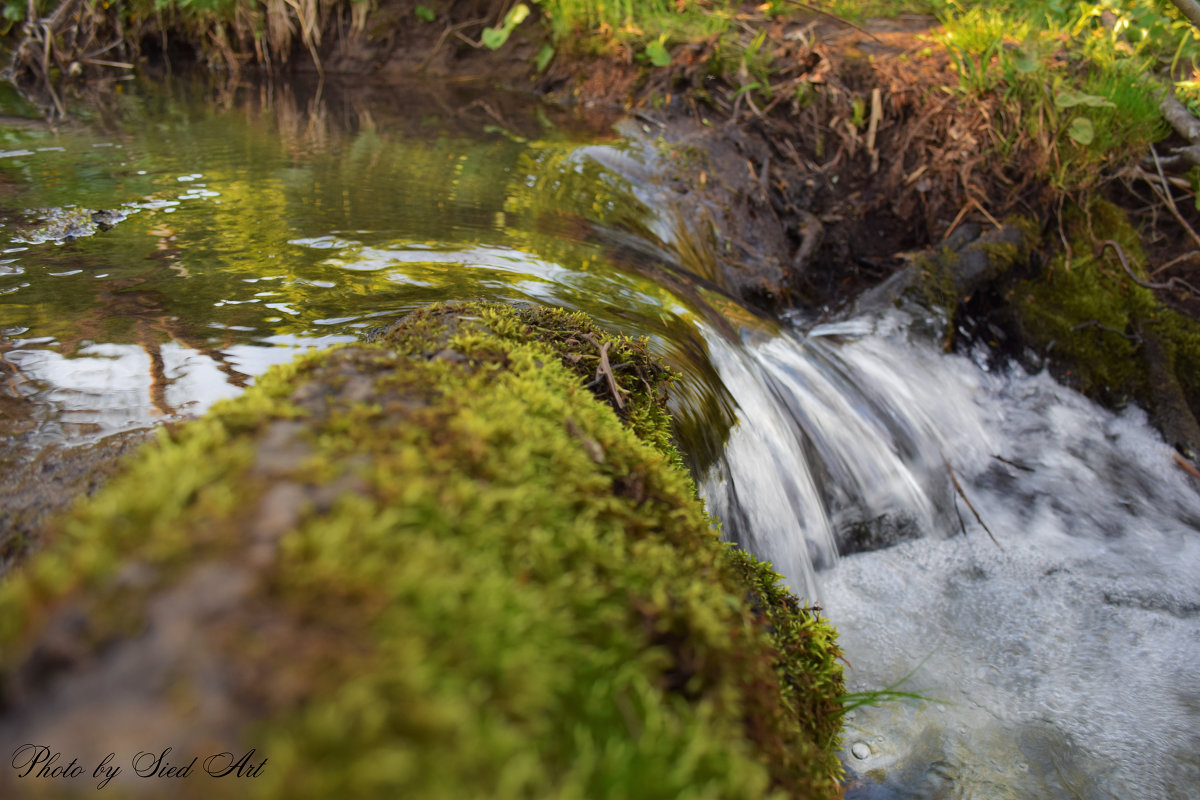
(516, 16)
(544, 57)
(1069, 98)
(425, 14)
(494, 38)
(1081, 130)
(656, 51)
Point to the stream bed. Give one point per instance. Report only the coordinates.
(164, 252)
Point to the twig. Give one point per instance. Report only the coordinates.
(1014, 464)
(605, 369)
(984, 211)
(1170, 201)
(1091, 323)
(647, 118)
(833, 16)
(958, 218)
(46, 71)
(1174, 261)
(1187, 466)
(442, 39)
(1170, 285)
(962, 526)
(1069, 252)
(99, 62)
(966, 500)
(873, 127)
(1179, 118)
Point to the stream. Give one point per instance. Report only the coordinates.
(1021, 559)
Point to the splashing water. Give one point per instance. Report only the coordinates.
(1064, 653)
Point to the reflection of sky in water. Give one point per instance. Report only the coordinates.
(105, 388)
(486, 269)
(109, 388)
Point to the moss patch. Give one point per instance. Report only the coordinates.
(436, 566)
(1109, 336)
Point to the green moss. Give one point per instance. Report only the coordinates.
(1095, 322)
(484, 581)
(1084, 314)
(944, 278)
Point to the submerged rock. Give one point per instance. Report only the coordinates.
(432, 565)
(59, 225)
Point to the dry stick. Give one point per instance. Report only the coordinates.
(832, 16)
(962, 526)
(46, 71)
(1069, 252)
(873, 127)
(99, 62)
(1174, 261)
(442, 39)
(958, 218)
(1172, 284)
(1014, 464)
(605, 369)
(1187, 467)
(1165, 194)
(1190, 9)
(984, 211)
(966, 500)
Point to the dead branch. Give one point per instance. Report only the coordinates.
(1186, 466)
(1174, 284)
(1165, 195)
(605, 370)
(833, 16)
(1190, 9)
(1177, 115)
(963, 495)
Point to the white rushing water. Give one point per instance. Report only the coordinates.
(1066, 653)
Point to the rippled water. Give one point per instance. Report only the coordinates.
(1058, 647)
(233, 238)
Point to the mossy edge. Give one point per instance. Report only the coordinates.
(506, 592)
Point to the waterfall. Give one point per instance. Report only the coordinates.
(1059, 660)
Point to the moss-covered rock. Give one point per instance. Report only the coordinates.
(1107, 334)
(434, 566)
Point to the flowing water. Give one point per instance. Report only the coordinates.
(1027, 561)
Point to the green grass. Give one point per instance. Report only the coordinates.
(638, 20)
(1074, 77)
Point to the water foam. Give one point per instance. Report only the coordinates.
(1066, 651)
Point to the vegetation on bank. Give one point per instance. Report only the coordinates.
(466, 573)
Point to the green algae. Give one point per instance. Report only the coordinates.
(475, 573)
